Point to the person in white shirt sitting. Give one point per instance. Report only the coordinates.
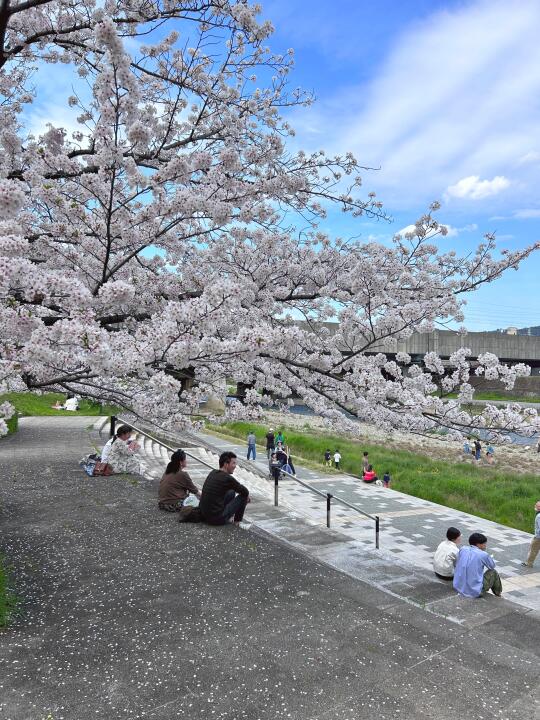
(71, 403)
(444, 560)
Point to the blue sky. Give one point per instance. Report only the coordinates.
(444, 97)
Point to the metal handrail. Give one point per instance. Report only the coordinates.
(327, 495)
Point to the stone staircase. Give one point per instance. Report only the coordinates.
(201, 460)
(294, 524)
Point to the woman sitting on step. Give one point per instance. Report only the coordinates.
(175, 485)
(118, 452)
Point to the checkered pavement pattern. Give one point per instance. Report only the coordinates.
(410, 528)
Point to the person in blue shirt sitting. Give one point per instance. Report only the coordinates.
(475, 572)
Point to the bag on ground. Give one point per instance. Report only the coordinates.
(88, 463)
(103, 469)
(191, 501)
(190, 514)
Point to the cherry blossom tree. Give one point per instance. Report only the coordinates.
(171, 240)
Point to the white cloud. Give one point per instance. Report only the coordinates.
(453, 99)
(530, 157)
(527, 213)
(475, 189)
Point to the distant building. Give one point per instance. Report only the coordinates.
(532, 331)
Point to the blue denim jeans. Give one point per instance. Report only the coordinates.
(252, 451)
(234, 505)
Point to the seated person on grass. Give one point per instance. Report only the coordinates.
(369, 475)
(475, 572)
(222, 495)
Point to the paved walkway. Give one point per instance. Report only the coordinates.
(411, 528)
(127, 614)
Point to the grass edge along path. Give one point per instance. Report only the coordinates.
(499, 496)
(12, 424)
(8, 599)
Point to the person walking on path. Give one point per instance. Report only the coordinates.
(251, 441)
(270, 443)
(444, 560)
(534, 548)
(337, 459)
(475, 572)
(175, 485)
(328, 458)
(222, 495)
(280, 438)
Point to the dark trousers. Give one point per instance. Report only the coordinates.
(234, 505)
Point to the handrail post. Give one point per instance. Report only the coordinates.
(276, 481)
(377, 532)
(328, 507)
(112, 428)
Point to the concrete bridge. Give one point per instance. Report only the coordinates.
(508, 348)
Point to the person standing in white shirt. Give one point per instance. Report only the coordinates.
(444, 560)
(337, 459)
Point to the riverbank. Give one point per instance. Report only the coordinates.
(495, 493)
(515, 459)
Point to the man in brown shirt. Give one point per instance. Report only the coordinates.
(175, 485)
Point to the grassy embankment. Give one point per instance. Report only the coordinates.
(30, 404)
(12, 424)
(502, 497)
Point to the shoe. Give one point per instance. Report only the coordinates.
(497, 594)
(526, 564)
